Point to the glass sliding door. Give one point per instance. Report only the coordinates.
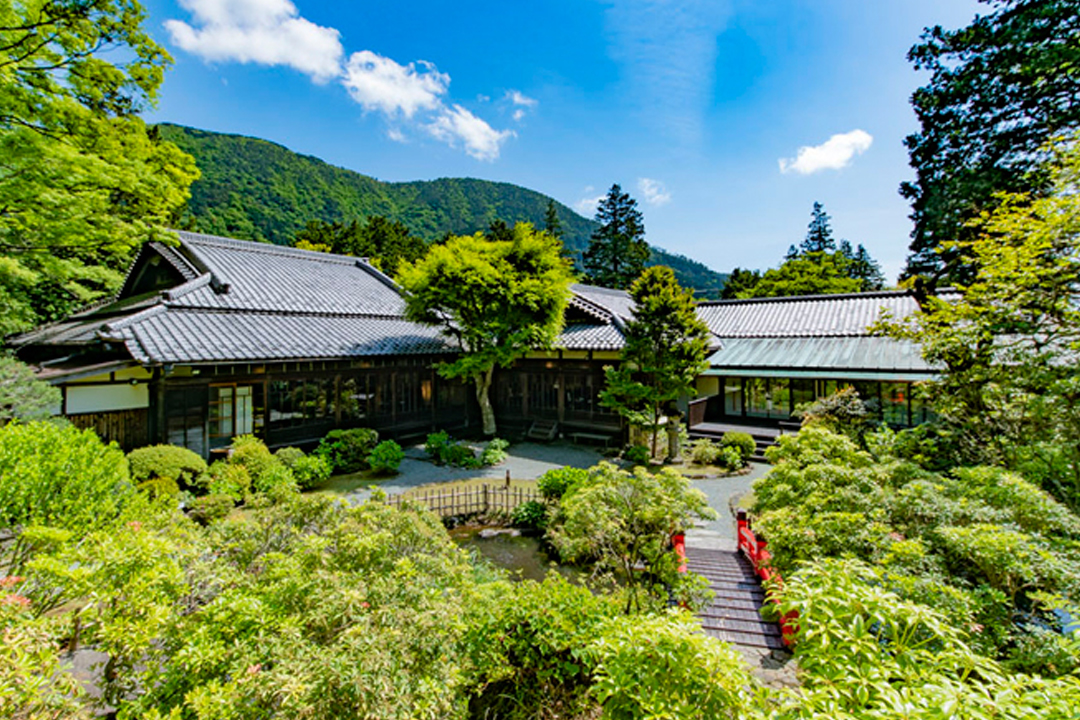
(233, 410)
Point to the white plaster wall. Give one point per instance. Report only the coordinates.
(105, 398)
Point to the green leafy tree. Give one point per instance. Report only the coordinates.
(665, 350)
(808, 274)
(625, 520)
(617, 252)
(83, 183)
(999, 89)
(1009, 384)
(495, 299)
(740, 283)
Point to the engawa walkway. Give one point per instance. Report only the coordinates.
(733, 614)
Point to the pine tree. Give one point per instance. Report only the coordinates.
(740, 283)
(617, 252)
(866, 270)
(552, 225)
(819, 234)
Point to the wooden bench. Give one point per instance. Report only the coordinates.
(579, 436)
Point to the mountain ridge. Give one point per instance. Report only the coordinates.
(256, 189)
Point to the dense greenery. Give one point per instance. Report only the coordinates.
(999, 90)
(257, 190)
(83, 182)
(1008, 393)
(383, 242)
(816, 267)
(495, 299)
(665, 350)
(22, 395)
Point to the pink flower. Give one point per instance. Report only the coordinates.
(17, 600)
(6, 582)
(135, 525)
(254, 669)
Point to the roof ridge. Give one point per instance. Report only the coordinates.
(827, 296)
(188, 287)
(283, 313)
(265, 248)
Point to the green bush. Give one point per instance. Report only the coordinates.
(225, 478)
(347, 450)
(386, 458)
(494, 452)
(211, 508)
(743, 442)
(554, 483)
(1044, 652)
(158, 487)
(443, 450)
(704, 451)
(289, 455)
(311, 471)
(637, 454)
(252, 454)
(60, 476)
(731, 458)
(168, 462)
(531, 514)
(276, 480)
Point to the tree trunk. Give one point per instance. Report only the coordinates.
(655, 428)
(487, 413)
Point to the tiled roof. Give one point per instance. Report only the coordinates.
(826, 354)
(581, 336)
(806, 316)
(615, 302)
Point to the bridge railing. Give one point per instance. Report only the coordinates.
(756, 551)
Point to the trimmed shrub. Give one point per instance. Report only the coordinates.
(211, 508)
(311, 471)
(436, 444)
(226, 478)
(531, 514)
(347, 450)
(159, 487)
(289, 456)
(554, 483)
(637, 454)
(741, 441)
(275, 480)
(494, 452)
(168, 462)
(252, 454)
(731, 458)
(704, 451)
(443, 450)
(386, 458)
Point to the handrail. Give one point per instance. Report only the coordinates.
(756, 552)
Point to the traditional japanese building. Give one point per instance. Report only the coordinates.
(777, 353)
(215, 338)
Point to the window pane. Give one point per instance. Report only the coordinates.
(757, 402)
(779, 398)
(733, 396)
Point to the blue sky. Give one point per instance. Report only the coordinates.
(726, 119)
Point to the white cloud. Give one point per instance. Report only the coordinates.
(834, 154)
(518, 98)
(654, 191)
(267, 32)
(456, 124)
(410, 97)
(379, 83)
(519, 115)
(587, 205)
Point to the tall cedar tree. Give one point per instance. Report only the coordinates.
(665, 351)
(617, 252)
(83, 182)
(1000, 88)
(819, 237)
(552, 224)
(496, 299)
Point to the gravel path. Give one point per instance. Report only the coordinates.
(720, 533)
(526, 461)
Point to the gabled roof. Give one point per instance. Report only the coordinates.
(238, 301)
(828, 334)
(246, 301)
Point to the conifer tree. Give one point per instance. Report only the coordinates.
(617, 252)
(819, 236)
(666, 346)
(552, 224)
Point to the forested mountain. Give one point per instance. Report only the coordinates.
(258, 190)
